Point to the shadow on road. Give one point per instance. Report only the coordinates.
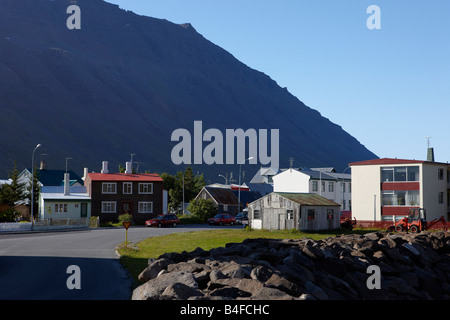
(45, 278)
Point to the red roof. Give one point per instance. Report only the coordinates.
(390, 161)
(146, 177)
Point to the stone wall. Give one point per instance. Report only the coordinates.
(412, 266)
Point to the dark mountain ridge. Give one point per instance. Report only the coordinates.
(123, 83)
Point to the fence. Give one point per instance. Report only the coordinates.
(15, 226)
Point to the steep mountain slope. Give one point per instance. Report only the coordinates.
(123, 83)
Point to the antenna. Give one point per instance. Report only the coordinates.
(428, 141)
(291, 161)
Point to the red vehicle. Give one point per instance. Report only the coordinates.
(222, 219)
(164, 220)
(416, 221)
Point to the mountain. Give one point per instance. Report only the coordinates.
(123, 83)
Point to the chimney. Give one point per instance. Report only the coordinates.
(66, 184)
(105, 167)
(128, 169)
(430, 155)
(86, 171)
(42, 165)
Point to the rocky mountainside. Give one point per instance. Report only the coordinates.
(411, 266)
(123, 83)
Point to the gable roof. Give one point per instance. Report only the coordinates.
(308, 199)
(144, 177)
(55, 177)
(231, 197)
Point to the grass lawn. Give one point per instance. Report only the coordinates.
(135, 256)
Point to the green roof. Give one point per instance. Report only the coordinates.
(308, 199)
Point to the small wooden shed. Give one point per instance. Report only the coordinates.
(301, 211)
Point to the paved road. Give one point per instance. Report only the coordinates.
(33, 266)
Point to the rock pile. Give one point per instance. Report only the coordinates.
(412, 266)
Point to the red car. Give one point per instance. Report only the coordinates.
(164, 220)
(222, 219)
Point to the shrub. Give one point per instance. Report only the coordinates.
(202, 208)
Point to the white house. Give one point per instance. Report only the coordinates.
(385, 189)
(63, 203)
(325, 182)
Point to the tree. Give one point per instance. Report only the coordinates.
(14, 192)
(202, 208)
(193, 184)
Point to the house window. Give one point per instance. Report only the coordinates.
(330, 214)
(127, 187)
(330, 187)
(400, 198)
(323, 186)
(256, 214)
(60, 207)
(391, 174)
(342, 187)
(441, 174)
(145, 207)
(311, 214)
(225, 207)
(441, 197)
(315, 186)
(108, 207)
(290, 214)
(145, 188)
(109, 187)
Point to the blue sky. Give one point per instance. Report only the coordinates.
(389, 88)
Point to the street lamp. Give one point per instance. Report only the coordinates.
(226, 180)
(239, 192)
(32, 183)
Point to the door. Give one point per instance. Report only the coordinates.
(127, 207)
(84, 210)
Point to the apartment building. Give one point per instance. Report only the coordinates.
(385, 189)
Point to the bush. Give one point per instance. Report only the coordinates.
(125, 218)
(9, 215)
(202, 208)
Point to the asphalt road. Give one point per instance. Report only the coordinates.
(34, 266)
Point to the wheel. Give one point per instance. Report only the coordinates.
(399, 228)
(159, 225)
(414, 229)
(231, 223)
(220, 223)
(174, 224)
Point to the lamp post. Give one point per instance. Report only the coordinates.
(342, 187)
(32, 183)
(226, 179)
(239, 192)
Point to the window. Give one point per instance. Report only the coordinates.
(290, 215)
(225, 207)
(441, 174)
(330, 214)
(108, 207)
(391, 174)
(441, 197)
(127, 187)
(256, 214)
(311, 214)
(315, 186)
(323, 186)
(400, 198)
(60, 207)
(342, 187)
(109, 187)
(145, 188)
(145, 207)
(330, 187)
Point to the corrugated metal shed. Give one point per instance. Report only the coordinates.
(308, 199)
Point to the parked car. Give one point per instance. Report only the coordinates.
(163, 220)
(242, 218)
(222, 219)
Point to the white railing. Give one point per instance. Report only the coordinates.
(15, 226)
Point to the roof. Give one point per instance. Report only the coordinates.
(144, 177)
(56, 177)
(392, 161)
(231, 197)
(57, 193)
(308, 199)
(321, 175)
